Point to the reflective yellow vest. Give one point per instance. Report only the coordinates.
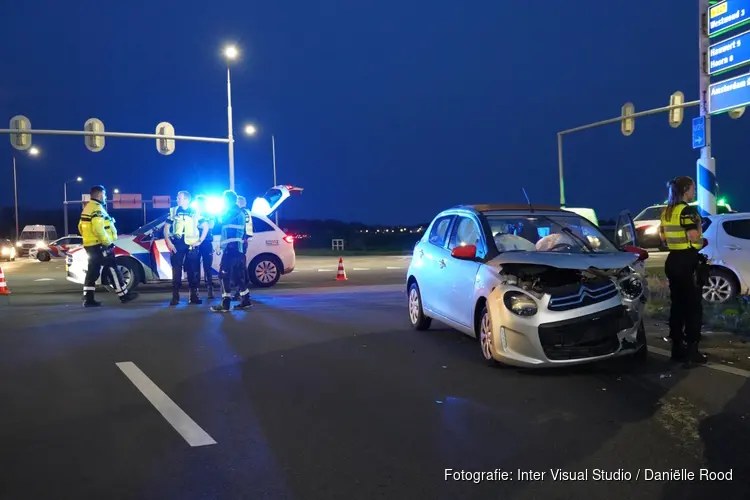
(248, 222)
(185, 225)
(96, 226)
(675, 235)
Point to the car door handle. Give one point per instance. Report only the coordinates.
(733, 247)
(441, 262)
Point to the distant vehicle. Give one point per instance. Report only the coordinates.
(143, 256)
(7, 250)
(728, 252)
(35, 236)
(587, 213)
(57, 249)
(537, 288)
(647, 224)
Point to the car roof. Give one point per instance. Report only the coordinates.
(729, 216)
(496, 207)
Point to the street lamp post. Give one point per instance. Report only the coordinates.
(32, 152)
(230, 53)
(251, 130)
(65, 200)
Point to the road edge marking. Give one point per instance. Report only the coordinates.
(714, 366)
(173, 414)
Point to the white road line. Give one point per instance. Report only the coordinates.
(325, 270)
(713, 366)
(391, 267)
(182, 423)
(360, 269)
(45, 279)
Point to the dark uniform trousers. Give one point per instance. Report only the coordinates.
(684, 271)
(232, 270)
(102, 261)
(206, 255)
(187, 259)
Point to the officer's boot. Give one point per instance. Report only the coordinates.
(679, 351)
(245, 302)
(194, 298)
(175, 298)
(694, 355)
(210, 290)
(88, 300)
(129, 297)
(223, 306)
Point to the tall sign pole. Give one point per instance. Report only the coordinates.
(706, 165)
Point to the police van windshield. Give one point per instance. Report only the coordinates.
(32, 235)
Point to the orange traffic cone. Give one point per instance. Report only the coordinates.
(4, 290)
(341, 275)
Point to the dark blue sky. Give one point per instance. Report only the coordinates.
(385, 113)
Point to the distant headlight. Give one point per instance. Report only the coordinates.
(5, 251)
(40, 244)
(19, 244)
(651, 230)
(519, 303)
(631, 288)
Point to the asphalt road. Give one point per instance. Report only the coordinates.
(323, 392)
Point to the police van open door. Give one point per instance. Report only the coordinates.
(625, 230)
(272, 200)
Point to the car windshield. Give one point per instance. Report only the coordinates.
(651, 213)
(148, 227)
(32, 235)
(547, 233)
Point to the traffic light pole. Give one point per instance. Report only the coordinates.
(610, 121)
(125, 135)
(706, 165)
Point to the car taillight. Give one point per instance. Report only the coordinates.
(289, 239)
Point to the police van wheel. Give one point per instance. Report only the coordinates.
(265, 270)
(130, 274)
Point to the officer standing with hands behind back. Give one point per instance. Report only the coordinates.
(206, 249)
(686, 269)
(184, 232)
(99, 234)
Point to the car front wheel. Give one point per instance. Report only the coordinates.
(416, 314)
(484, 335)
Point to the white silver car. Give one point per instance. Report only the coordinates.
(728, 252)
(539, 287)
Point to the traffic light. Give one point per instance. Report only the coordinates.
(94, 143)
(21, 142)
(165, 146)
(628, 125)
(676, 115)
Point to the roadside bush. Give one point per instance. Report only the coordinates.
(733, 316)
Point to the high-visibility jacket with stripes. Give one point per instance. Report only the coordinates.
(96, 226)
(683, 219)
(233, 229)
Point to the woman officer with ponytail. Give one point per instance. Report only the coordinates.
(681, 231)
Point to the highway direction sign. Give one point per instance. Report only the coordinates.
(727, 15)
(127, 201)
(729, 94)
(699, 132)
(730, 53)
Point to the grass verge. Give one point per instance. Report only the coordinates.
(324, 252)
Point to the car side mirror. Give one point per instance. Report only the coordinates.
(640, 252)
(466, 252)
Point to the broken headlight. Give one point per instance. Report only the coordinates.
(520, 303)
(631, 287)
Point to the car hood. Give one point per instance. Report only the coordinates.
(611, 260)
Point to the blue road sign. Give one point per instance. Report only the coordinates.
(729, 94)
(727, 15)
(730, 53)
(699, 132)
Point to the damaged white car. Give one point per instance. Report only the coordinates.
(537, 286)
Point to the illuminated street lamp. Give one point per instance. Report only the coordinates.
(34, 151)
(65, 200)
(116, 191)
(231, 53)
(251, 130)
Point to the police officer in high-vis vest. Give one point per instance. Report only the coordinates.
(185, 231)
(242, 203)
(686, 269)
(99, 234)
(232, 246)
(206, 249)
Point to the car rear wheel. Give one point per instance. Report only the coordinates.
(265, 270)
(43, 256)
(722, 286)
(416, 314)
